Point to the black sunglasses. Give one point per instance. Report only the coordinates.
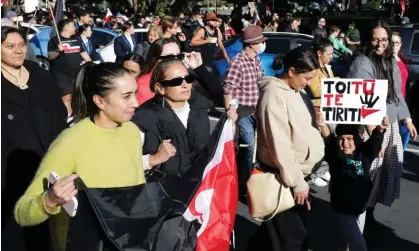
(177, 81)
(177, 57)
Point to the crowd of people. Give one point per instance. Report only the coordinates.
(151, 108)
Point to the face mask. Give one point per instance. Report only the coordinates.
(262, 48)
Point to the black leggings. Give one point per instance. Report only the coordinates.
(285, 232)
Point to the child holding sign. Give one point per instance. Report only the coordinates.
(350, 161)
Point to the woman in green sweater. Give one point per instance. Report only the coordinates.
(102, 148)
(337, 45)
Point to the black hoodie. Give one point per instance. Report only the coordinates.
(351, 183)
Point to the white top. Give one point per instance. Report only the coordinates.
(129, 38)
(183, 115)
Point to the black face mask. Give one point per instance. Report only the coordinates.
(177, 81)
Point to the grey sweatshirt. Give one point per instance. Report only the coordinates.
(363, 68)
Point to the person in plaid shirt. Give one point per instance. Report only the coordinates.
(241, 83)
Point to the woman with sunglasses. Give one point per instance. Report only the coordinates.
(377, 62)
(174, 121)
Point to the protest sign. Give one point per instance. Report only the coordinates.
(354, 101)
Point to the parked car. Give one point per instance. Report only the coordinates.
(277, 43)
(30, 29)
(39, 42)
(410, 48)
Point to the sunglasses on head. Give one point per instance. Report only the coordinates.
(177, 81)
(177, 57)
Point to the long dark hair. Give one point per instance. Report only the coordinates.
(90, 80)
(301, 59)
(154, 53)
(384, 63)
(133, 57)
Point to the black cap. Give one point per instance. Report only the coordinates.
(344, 129)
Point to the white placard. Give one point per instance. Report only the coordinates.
(354, 101)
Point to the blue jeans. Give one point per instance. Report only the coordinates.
(247, 134)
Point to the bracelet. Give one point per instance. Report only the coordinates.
(408, 120)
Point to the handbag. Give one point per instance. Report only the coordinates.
(266, 193)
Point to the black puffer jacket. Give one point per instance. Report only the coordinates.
(159, 123)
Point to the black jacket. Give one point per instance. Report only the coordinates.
(351, 183)
(319, 32)
(122, 47)
(209, 85)
(159, 123)
(31, 120)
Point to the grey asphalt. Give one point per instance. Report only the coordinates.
(398, 228)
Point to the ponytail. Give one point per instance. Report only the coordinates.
(92, 80)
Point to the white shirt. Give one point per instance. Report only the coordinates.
(183, 114)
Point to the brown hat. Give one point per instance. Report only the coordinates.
(252, 34)
(211, 17)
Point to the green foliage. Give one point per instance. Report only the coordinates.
(372, 4)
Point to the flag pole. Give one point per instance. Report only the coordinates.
(53, 21)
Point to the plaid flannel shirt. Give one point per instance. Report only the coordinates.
(242, 79)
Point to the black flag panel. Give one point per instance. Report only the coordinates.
(146, 217)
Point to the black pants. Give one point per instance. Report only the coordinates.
(285, 232)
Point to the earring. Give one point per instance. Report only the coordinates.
(163, 101)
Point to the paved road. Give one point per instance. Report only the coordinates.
(398, 226)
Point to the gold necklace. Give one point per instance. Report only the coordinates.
(21, 86)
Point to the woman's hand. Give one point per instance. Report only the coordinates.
(164, 153)
(61, 192)
(320, 119)
(194, 60)
(302, 198)
(381, 153)
(412, 129)
(384, 124)
(182, 37)
(232, 114)
(325, 131)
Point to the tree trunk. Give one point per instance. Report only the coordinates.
(162, 7)
(135, 5)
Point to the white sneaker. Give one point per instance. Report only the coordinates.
(326, 176)
(318, 182)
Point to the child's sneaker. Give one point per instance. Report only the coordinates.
(326, 176)
(318, 182)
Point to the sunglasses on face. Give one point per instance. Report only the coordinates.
(177, 57)
(178, 81)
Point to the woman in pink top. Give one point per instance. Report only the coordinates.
(396, 38)
(155, 53)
